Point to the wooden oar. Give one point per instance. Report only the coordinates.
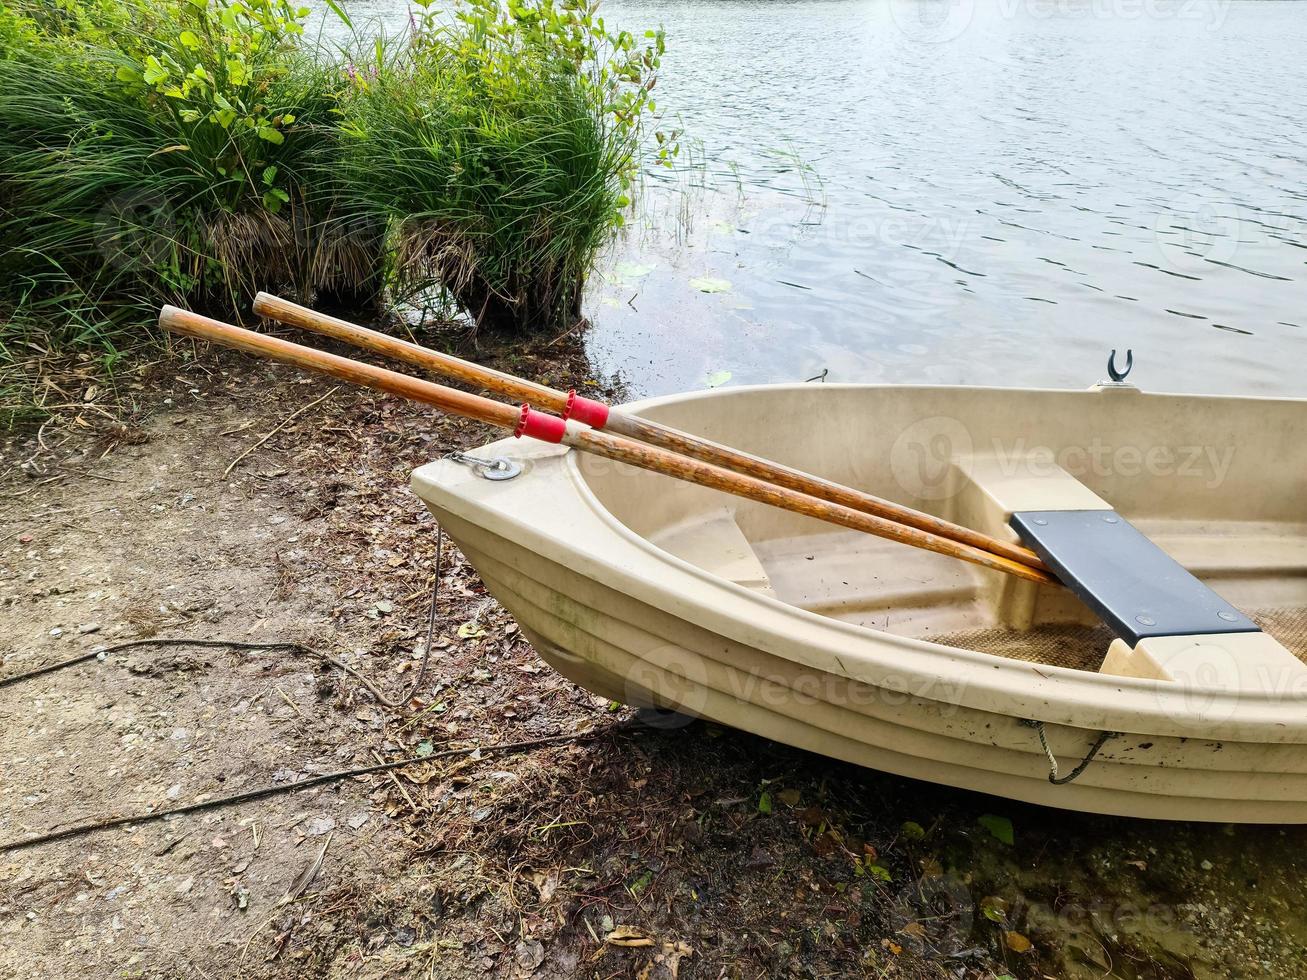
(610, 419)
(526, 421)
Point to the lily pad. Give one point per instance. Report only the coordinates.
(710, 284)
(633, 270)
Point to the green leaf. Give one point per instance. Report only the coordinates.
(876, 871)
(274, 198)
(339, 11)
(269, 175)
(155, 72)
(128, 74)
(911, 830)
(710, 284)
(764, 803)
(272, 135)
(1000, 828)
(189, 40)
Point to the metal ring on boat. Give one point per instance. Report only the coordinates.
(499, 468)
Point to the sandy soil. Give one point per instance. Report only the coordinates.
(643, 850)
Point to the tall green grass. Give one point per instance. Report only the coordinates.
(165, 161)
(499, 150)
(195, 151)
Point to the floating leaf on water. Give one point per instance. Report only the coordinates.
(715, 379)
(710, 284)
(633, 270)
(1000, 828)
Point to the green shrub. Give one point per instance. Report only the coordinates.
(195, 151)
(500, 150)
(165, 161)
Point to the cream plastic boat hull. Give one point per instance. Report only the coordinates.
(654, 592)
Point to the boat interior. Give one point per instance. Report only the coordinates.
(1216, 484)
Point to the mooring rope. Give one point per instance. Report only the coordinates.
(1053, 777)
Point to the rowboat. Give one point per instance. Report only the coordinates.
(973, 586)
(1166, 676)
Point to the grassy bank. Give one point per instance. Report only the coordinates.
(196, 151)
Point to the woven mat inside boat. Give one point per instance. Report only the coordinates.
(1288, 625)
(1077, 647)
(1084, 647)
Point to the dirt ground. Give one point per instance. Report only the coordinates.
(635, 850)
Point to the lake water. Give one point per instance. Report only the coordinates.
(970, 191)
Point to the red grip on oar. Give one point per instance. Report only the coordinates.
(587, 410)
(538, 425)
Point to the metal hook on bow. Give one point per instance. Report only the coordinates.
(1116, 374)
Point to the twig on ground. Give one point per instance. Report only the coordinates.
(284, 422)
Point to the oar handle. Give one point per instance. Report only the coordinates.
(568, 404)
(471, 406)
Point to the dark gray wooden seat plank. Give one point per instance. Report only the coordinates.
(1136, 587)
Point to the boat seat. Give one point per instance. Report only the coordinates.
(1134, 586)
(1170, 625)
(714, 542)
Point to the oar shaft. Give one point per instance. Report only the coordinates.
(346, 369)
(635, 427)
(647, 457)
(666, 437)
(604, 444)
(292, 314)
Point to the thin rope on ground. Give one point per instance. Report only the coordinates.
(296, 648)
(281, 788)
